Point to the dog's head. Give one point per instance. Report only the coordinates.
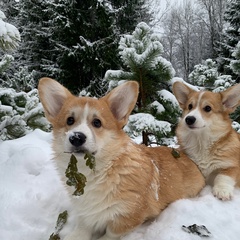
(204, 109)
(83, 124)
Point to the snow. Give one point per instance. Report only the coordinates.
(177, 79)
(145, 122)
(5, 60)
(9, 34)
(32, 196)
(2, 15)
(168, 96)
(160, 108)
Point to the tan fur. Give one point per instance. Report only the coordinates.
(131, 183)
(211, 142)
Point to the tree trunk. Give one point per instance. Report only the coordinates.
(145, 138)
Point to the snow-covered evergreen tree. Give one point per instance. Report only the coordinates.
(206, 75)
(230, 37)
(128, 13)
(142, 61)
(32, 20)
(21, 80)
(74, 41)
(9, 34)
(5, 62)
(9, 40)
(20, 113)
(235, 63)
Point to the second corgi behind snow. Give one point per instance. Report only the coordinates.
(131, 183)
(206, 135)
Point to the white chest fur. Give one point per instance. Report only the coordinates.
(99, 204)
(198, 146)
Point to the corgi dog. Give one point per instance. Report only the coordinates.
(206, 135)
(131, 183)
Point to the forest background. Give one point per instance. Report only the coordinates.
(90, 46)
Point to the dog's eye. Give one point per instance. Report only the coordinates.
(190, 106)
(96, 123)
(70, 121)
(207, 109)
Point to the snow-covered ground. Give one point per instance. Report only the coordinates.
(31, 197)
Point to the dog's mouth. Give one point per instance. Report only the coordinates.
(80, 151)
(195, 127)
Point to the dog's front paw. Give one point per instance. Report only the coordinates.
(221, 193)
(223, 187)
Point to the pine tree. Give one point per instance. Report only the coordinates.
(235, 63)
(230, 37)
(128, 13)
(33, 24)
(142, 62)
(9, 41)
(20, 113)
(72, 41)
(235, 66)
(10, 36)
(94, 27)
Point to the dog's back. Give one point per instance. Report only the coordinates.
(130, 183)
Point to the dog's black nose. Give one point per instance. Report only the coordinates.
(190, 120)
(78, 139)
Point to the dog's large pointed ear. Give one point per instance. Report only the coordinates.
(231, 98)
(122, 100)
(52, 95)
(181, 92)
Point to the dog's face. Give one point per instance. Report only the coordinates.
(204, 110)
(83, 124)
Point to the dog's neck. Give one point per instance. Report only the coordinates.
(198, 144)
(195, 144)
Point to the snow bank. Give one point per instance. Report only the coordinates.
(31, 197)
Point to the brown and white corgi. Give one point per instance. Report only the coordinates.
(131, 183)
(206, 135)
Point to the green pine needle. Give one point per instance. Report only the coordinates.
(76, 179)
(61, 221)
(175, 153)
(90, 161)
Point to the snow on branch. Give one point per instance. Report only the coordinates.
(9, 34)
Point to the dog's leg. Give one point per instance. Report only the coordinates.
(122, 225)
(109, 235)
(79, 233)
(224, 183)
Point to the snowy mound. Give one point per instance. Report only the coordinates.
(32, 196)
